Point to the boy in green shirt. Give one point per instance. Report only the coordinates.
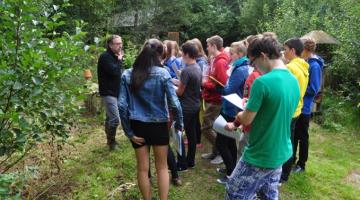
(271, 105)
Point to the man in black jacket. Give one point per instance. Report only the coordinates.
(109, 74)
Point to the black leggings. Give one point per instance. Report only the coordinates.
(191, 131)
(227, 149)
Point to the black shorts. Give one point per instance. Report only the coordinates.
(154, 133)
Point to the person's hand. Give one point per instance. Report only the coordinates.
(180, 129)
(120, 55)
(176, 82)
(138, 140)
(230, 126)
(244, 102)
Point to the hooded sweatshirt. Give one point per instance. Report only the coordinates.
(217, 71)
(235, 84)
(300, 69)
(315, 75)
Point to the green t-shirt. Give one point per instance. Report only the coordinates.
(274, 96)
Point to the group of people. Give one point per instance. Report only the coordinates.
(168, 86)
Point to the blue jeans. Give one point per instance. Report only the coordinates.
(248, 180)
(112, 111)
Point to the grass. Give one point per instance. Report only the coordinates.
(91, 172)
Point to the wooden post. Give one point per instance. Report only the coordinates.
(174, 36)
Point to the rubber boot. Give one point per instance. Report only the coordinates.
(113, 145)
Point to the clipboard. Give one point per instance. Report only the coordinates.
(216, 81)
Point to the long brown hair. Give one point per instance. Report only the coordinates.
(170, 46)
(199, 48)
(148, 57)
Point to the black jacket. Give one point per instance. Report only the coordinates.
(109, 74)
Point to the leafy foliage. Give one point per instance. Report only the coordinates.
(37, 64)
(292, 18)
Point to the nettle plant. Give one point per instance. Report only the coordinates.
(40, 78)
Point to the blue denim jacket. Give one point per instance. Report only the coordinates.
(150, 103)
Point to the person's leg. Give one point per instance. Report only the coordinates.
(182, 159)
(190, 130)
(142, 158)
(304, 141)
(224, 150)
(211, 113)
(198, 127)
(269, 190)
(172, 163)
(296, 139)
(112, 119)
(160, 153)
(286, 168)
(233, 151)
(244, 182)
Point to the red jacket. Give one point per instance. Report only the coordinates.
(218, 71)
(247, 88)
(248, 83)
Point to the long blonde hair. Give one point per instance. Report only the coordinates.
(239, 47)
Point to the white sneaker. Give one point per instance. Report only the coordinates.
(217, 160)
(207, 156)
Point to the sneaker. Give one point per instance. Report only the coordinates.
(281, 182)
(176, 181)
(298, 169)
(114, 146)
(223, 180)
(221, 170)
(191, 166)
(182, 169)
(208, 156)
(217, 160)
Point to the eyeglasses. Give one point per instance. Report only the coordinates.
(119, 43)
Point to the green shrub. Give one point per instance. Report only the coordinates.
(40, 79)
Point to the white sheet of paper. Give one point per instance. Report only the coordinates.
(219, 125)
(176, 139)
(235, 100)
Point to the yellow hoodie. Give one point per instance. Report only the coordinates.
(300, 69)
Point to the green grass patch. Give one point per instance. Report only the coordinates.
(339, 114)
(91, 172)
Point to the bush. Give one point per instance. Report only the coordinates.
(293, 18)
(40, 79)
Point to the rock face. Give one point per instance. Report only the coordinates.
(354, 178)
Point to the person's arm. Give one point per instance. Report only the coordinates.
(173, 101)
(124, 112)
(219, 74)
(221, 66)
(314, 80)
(236, 80)
(184, 80)
(181, 89)
(247, 117)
